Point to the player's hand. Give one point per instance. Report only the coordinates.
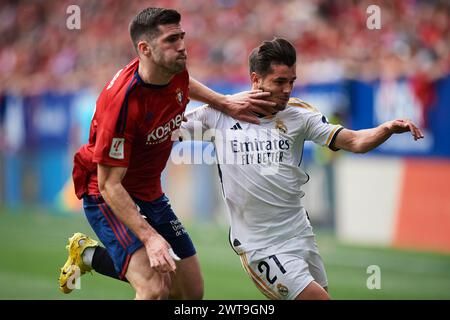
(244, 105)
(159, 255)
(402, 125)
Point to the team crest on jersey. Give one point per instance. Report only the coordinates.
(179, 96)
(280, 126)
(117, 150)
(282, 289)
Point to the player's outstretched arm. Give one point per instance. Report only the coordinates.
(362, 141)
(115, 195)
(241, 106)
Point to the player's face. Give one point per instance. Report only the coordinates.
(279, 82)
(168, 49)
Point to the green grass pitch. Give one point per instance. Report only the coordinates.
(33, 243)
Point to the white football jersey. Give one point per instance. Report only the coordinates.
(259, 169)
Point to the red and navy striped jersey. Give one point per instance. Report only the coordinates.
(132, 128)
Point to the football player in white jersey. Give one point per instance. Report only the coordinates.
(261, 178)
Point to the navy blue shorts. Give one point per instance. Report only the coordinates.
(121, 243)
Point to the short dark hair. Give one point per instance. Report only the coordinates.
(146, 23)
(278, 51)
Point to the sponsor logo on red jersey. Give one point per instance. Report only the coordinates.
(162, 133)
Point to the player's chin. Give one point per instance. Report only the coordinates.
(281, 106)
(179, 65)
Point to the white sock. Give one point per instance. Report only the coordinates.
(87, 256)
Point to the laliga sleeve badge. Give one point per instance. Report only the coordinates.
(117, 149)
(283, 290)
(280, 126)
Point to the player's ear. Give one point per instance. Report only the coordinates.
(255, 79)
(144, 48)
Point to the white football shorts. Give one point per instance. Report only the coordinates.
(282, 271)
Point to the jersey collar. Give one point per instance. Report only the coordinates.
(149, 85)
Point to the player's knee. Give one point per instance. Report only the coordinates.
(153, 289)
(152, 293)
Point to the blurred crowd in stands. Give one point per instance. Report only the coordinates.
(39, 53)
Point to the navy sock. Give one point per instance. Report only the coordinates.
(103, 264)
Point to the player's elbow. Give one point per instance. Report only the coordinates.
(102, 188)
(109, 180)
(106, 187)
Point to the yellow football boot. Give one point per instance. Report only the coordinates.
(77, 244)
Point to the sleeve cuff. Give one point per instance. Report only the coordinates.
(331, 144)
(111, 163)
